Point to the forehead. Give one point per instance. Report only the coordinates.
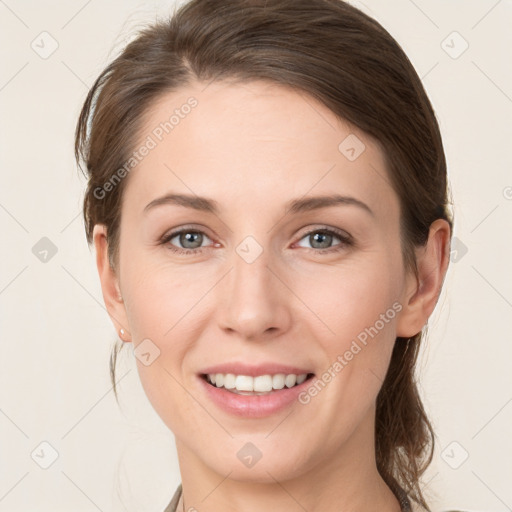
(258, 141)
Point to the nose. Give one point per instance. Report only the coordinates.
(253, 298)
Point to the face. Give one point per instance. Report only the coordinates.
(258, 279)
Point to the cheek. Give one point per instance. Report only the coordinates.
(162, 300)
(360, 308)
(354, 298)
(163, 305)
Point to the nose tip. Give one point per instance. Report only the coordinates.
(254, 302)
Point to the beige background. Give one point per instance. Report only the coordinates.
(56, 336)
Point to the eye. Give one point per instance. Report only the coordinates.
(321, 239)
(189, 239)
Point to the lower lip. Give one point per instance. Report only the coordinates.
(253, 406)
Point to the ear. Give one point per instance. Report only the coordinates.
(110, 283)
(422, 292)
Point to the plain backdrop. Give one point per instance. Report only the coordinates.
(57, 408)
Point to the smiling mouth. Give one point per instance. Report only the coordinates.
(259, 385)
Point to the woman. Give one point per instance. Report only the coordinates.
(267, 198)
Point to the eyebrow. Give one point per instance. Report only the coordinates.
(294, 206)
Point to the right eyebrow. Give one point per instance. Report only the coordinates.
(188, 201)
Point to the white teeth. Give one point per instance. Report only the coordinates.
(301, 378)
(259, 384)
(229, 381)
(244, 383)
(290, 380)
(263, 383)
(278, 381)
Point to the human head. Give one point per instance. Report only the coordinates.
(349, 64)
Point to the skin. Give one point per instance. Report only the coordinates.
(253, 147)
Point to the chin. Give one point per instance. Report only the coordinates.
(267, 465)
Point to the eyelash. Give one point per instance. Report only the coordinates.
(345, 241)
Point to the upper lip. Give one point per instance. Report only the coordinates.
(254, 370)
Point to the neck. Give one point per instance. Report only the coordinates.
(347, 481)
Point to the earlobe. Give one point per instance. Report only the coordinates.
(422, 293)
(110, 283)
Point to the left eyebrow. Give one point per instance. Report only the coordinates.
(317, 202)
(294, 206)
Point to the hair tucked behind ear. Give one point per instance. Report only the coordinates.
(400, 413)
(339, 56)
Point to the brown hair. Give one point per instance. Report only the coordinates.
(341, 57)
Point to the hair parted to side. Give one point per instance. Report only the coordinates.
(344, 59)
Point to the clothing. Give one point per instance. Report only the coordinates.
(405, 504)
(173, 505)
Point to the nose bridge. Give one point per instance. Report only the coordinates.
(254, 303)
